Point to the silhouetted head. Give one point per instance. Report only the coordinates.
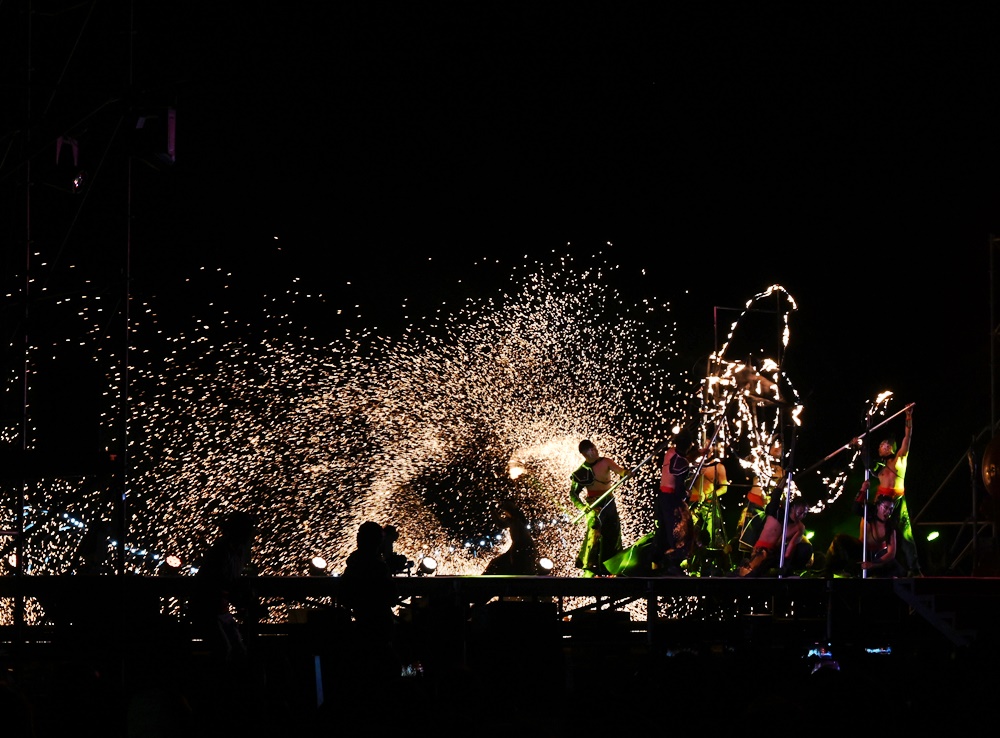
(369, 535)
(510, 513)
(683, 441)
(238, 525)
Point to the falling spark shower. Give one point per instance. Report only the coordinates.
(427, 426)
(422, 429)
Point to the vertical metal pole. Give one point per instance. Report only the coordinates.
(993, 404)
(119, 476)
(19, 502)
(864, 510)
(788, 504)
(784, 521)
(652, 605)
(715, 328)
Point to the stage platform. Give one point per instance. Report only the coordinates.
(954, 612)
(457, 633)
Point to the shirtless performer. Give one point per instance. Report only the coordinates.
(845, 557)
(767, 548)
(603, 539)
(674, 537)
(752, 516)
(891, 471)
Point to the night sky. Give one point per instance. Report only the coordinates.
(386, 154)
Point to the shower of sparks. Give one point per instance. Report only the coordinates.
(750, 407)
(428, 430)
(753, 409)
(877, 408)
(428, 427)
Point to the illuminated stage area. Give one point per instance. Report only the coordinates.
(459, 638)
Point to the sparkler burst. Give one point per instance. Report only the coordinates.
(428, 427)
(421, 430)
(752, 407)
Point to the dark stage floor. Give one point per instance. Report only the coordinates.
(482, 652)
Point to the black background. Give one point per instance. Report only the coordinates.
(846, 154)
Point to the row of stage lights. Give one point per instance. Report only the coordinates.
(426, 565)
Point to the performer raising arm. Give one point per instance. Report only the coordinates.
(891, 471)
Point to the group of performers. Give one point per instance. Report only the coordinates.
(690, 536)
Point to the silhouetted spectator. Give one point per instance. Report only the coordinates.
(93, 554)
(367, 588)
(521, 557)
(223, 590)
(370, 664)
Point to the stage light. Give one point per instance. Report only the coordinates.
(317, 567)
(545, 566)
(933, 536)
(171, 566)
(427, 566)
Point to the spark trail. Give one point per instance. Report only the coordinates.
(420, 429)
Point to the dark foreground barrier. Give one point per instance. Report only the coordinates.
(116, 642)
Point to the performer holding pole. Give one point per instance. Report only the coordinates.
(590, 488)
(855, 442)
(891, 471)
(674, 537)
(631, 473)
(782, 542)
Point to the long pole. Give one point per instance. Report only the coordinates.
(784, 522)
(863, 435)
(628, 475)
(864, 510)
(787, 482)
